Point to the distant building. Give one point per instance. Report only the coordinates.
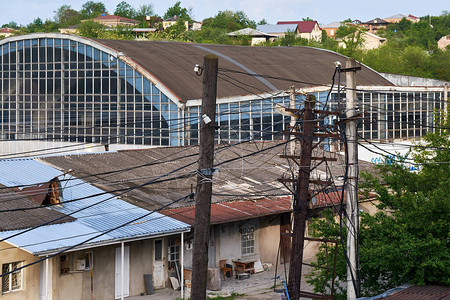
(444, 42)
(373, 25)
(331, 28)
(170, 21)
(114, 21)
(309, 30)
(109, 21)
(370, 41)
(398, 17)
(279, 30)
(70, 30)
(257, 36)
(190, 25)
(5, 32)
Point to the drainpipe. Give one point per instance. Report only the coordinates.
(122, 254)
(182, 265)
(46, 279)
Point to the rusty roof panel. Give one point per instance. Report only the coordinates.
(225, 212)
(428, 292)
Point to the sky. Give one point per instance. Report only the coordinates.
(25, 11)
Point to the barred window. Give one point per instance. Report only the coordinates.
(12, 281)
(248, 240)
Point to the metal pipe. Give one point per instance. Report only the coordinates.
(122, 269)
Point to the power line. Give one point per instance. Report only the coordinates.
(94, 237)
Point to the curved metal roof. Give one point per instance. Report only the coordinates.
(173, 62)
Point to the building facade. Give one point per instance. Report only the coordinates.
(68, 89)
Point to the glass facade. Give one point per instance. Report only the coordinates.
(64, 90)
(68, 90)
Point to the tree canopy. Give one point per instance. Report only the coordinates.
(92, 9)
(67, 16)
(125, 10)
(408, 239)
(177, 10)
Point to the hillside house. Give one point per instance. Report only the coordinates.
(309, 30)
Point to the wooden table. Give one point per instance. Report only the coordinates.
(244, 266)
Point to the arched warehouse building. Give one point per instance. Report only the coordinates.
(69, 89)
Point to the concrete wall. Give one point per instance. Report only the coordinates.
(229, 241)
(404, 80)
(269, 240)
(141, 253)
(30, 283)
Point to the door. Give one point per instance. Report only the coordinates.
(126, 271)
(158, 264)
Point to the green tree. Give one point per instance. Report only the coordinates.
(125, 10)
(36, 26)
(11, 24)
(92, 9)
(144, 10)
(91, 29)
(177, 10)
(408, 239)
(263, 22)
(67, 16)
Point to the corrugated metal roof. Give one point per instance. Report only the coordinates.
(274, 28)
(110, 213)
(248, 31)
(428, 292)
(225, 212)
(333, 25)
(237, 180)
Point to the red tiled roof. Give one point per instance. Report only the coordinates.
(225, 212)
(428, 292)
(6, 30)
(303, 26)
(113, 17)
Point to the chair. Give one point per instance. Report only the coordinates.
(226, 268)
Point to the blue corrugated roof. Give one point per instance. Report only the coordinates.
(277, 28)
(89, 222)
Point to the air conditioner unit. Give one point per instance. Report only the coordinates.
(81, 264)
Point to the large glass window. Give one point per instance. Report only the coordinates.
(64, 84)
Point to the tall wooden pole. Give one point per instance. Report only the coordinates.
(352, 183)
(204, 179)
(301, 200)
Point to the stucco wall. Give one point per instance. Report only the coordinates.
(30, 286)
(141, 262)
(269, 239)
(229, 247)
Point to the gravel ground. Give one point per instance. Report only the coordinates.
(258, 286)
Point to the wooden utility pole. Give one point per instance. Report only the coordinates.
(204, 179)
(352, 181)
(301, 199)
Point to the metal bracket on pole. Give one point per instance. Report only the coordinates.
(208, 171)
